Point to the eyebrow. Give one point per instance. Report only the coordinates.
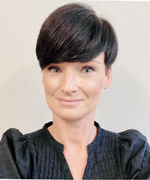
(96, 61)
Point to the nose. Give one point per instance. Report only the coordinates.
(69, 83)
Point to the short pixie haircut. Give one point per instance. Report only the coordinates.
(74, 33)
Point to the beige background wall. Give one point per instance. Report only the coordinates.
(126, 104)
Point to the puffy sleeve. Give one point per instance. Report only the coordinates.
(14, 155)
(135, 155)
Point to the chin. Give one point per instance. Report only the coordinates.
(73, 115)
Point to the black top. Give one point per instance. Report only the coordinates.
(111, 155)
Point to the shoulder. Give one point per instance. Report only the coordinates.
(16, 153)
(15, 137)
(131, 152)
(132, 135)
(128, 140)
(134, 154)
(132, 141)
(11, 135)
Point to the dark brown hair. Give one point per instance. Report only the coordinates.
(74, 33)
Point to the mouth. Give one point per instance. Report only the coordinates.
(69, 102)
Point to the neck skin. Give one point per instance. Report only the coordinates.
(74, 135)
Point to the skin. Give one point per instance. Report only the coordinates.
(80, 81)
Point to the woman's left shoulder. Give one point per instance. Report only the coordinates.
(134, 154)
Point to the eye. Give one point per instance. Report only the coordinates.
(54, 69)
(88, 69)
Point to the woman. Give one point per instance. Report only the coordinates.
(76, 50)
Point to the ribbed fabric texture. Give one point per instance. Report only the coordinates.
(38, 155)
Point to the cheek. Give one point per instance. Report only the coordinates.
(94, 89)
(49, 85)
(95, 85)
(50, 89)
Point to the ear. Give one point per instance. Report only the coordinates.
(108, 78)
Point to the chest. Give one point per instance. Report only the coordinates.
(77, 163)
(99, 163)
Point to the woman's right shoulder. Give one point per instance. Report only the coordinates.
(16, 153)
(14, 136)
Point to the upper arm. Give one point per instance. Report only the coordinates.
(14, 155)
(145, 168)
(134, 155)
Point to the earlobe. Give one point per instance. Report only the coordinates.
(108, 79)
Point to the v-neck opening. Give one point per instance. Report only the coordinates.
(60, 148)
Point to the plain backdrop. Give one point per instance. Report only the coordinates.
(125, 105)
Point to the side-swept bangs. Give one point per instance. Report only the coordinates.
(74, 33)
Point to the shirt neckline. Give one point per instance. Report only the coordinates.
(60, 147)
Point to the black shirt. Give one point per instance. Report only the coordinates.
(124, 155)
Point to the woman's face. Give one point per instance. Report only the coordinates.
(73, 90)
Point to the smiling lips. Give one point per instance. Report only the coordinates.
(69, 102)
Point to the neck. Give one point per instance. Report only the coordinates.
(73, 134)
